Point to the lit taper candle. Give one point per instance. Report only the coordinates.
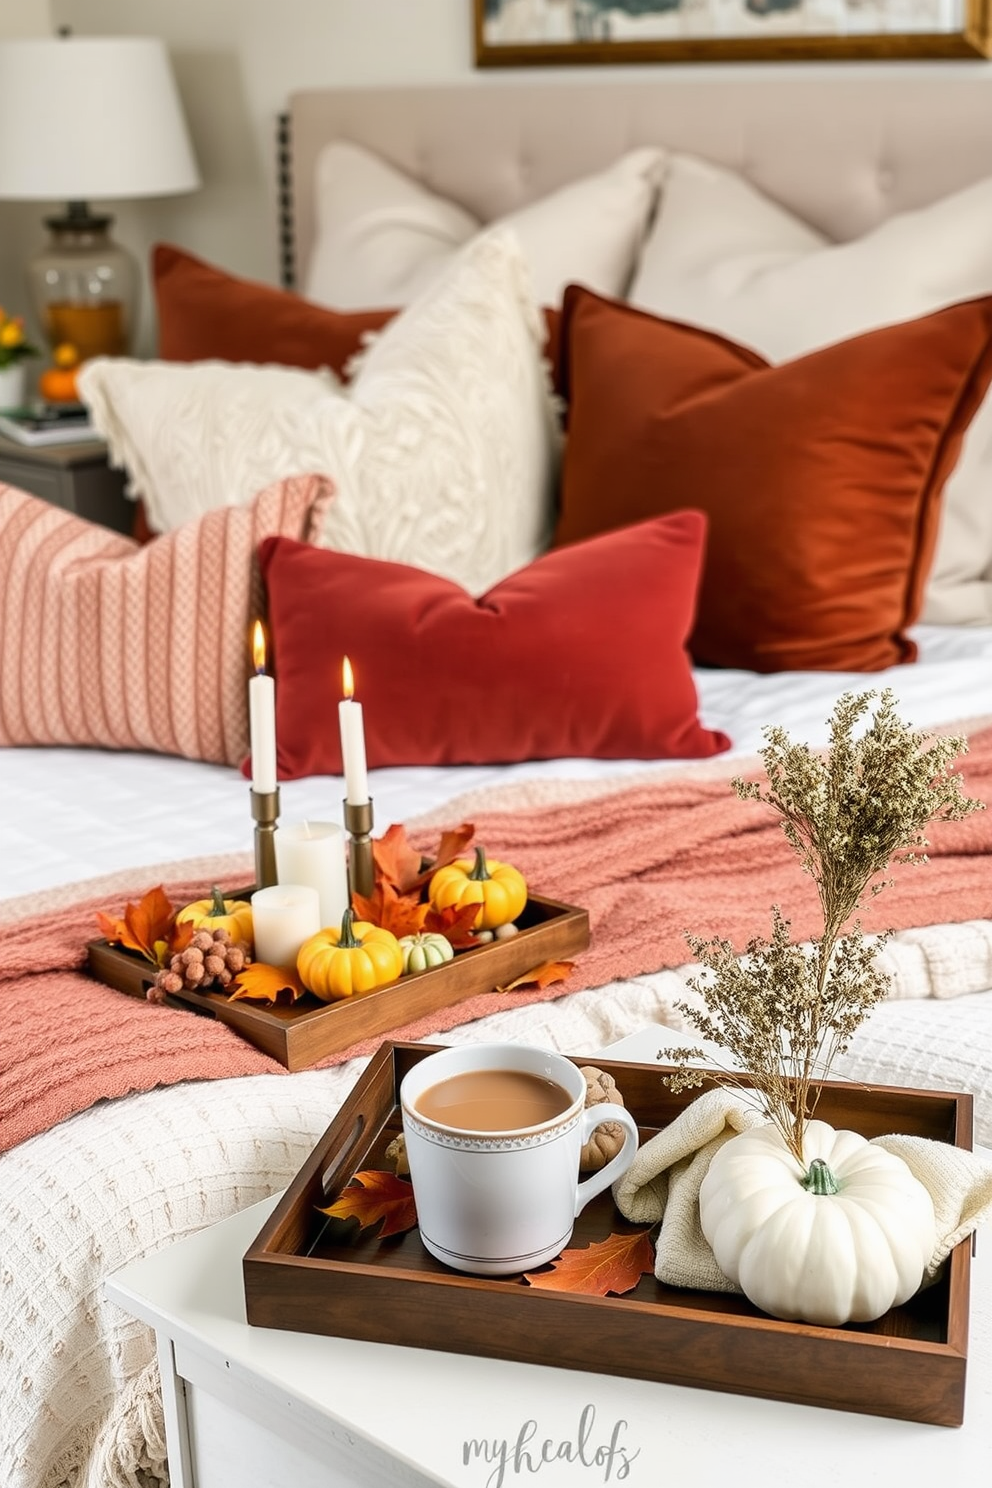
(262, 718)
(356, 776)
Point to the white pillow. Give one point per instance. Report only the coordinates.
(443, 450)
(724, 256)
(381, 237)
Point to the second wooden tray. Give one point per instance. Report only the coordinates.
(309, 1030)
(309, 1273)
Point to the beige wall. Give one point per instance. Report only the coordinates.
(18, 18)
(235, 63)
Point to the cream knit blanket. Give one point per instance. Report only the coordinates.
(662, 1186)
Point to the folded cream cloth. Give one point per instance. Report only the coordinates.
(664, 1179)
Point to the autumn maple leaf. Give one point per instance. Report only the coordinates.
(260, 982)
(397, 862)
(402, 914)
(544, 975)
(145, 927)
(455, 923)
(612, 1265)
(400, 864)
(374, 1195)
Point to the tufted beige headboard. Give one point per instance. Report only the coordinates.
(843, 146)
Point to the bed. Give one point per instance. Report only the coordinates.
(801, 159)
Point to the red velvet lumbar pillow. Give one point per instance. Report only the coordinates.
(581, 653)
(821, 477)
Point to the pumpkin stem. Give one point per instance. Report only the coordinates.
(348, 939)
(480, 869)
(217, 905)
(819, 1179)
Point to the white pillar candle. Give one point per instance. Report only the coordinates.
(262, 718)
(356, 779)
(313, 853)
(283, 917)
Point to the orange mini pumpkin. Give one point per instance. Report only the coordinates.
(58, 385)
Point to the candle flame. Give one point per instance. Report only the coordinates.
(347, 679)
(258, 646)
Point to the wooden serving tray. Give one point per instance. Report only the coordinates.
(301, 1034)
(308, 1273)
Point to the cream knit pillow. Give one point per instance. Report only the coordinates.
(443, 448)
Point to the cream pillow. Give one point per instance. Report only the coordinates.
(722, 255)
(381, 237)
(443, 450)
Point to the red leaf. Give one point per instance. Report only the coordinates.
(262, 983)
(374, 1196)
(544, 975)
(454, 923)
(612, 1265)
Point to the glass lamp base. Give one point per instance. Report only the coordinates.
(84, 286)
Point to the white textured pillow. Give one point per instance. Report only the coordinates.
(724, 256)
(381, 237)
(443, 450)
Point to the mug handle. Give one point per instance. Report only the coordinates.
(595, 1116)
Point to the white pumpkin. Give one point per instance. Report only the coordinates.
(846, 1248)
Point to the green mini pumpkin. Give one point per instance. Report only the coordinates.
(424, 951)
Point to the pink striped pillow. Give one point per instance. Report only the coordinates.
(106, 643)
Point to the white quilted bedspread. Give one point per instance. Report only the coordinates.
(78, 1388)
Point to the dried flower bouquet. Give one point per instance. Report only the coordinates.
(783, 1011)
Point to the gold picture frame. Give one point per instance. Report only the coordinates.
(521, 33)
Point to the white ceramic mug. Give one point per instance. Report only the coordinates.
(500, 1202)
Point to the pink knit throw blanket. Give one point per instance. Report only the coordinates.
(649, 863)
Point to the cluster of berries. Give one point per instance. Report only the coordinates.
(210, 960)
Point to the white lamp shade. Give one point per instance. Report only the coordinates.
(91, 118)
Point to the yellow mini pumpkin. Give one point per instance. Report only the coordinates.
(343, 963)
(499, 889)
(218, 913)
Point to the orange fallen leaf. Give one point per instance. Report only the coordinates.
(544, 975)
(396, 862)
(402, 914)
(180, 936)
(454, 841)
(407, 870)
(373, 1196)
(143, 924)
(455, 923)
(260, 982)
(612, 1265)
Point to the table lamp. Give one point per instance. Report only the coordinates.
(83, 118)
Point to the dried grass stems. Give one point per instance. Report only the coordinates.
(783, 1011)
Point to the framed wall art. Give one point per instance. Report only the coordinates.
(515, 33)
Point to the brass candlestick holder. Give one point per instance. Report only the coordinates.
(361, 867)
(265, 813)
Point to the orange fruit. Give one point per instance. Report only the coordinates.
(65, 355)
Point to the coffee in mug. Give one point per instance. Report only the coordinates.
(493, 1100)
(494, 1134)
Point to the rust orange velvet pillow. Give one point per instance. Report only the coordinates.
(581, 653)
(821, 477)
(206, 313)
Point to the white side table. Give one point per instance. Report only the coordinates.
(261, 1408)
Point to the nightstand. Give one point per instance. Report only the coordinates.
(76, 477)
